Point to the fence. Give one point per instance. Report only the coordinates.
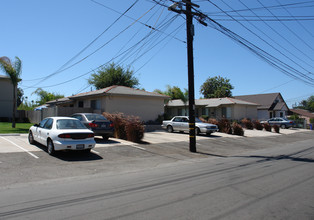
(37, 116)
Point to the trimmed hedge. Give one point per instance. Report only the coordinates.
(126, 127)
(267, 127)
(247, 123)
(237, 129)
(276, 128)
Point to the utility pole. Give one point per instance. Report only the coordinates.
(190, 35)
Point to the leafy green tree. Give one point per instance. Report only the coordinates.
(13, 70)
(174, 93)
(216, 87)
(20, 98)
(307, 104)
(113, 74)
(45, 96)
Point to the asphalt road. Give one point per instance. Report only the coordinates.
(230, 178)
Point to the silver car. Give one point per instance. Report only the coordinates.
(181, 123)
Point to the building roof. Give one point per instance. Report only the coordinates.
(266, 101)
(303, 112)
(4, 77)
(112, 90)
(210, 103)
(119, 90)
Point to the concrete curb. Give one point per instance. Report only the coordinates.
(10, 134)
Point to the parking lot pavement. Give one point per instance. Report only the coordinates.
(16, 143)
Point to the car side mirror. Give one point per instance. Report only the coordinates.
(35, 125)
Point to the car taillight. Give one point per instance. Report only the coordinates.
(111, 125)
(92, 125)
(91, 135)
(64, 136)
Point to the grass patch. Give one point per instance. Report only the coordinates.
(20, 128)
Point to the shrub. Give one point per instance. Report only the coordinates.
(267, 127)
(237, 129)
(134, 129)
(205, 117)
(225, 126)
(258, 125)
(247, 123)
(128, 128)
(276, 128)
(213, 121)
(312, 120)
(119, 123)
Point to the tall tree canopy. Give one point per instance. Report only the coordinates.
(174, 93)
(13, 70)
(45, 96)
(216, 87)
(307, 104)
(113, 74)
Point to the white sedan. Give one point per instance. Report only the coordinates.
(62, 133)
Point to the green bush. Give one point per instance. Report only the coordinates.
(225, 126)
(237, 129)
(276, 128)
(258, 125)
(312, 120)
(247, 123)
(267, 127)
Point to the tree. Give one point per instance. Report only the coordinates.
(174, 93)
(20, 98)
(113, 74)
(216, 87)
(45, 96)
(307, 104)
(13, 70)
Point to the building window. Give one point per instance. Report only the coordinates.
(81, 104)
(226, 112)
(281, 114)
(180, 111)
(95, 104)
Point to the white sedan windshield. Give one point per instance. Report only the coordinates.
(69, 124)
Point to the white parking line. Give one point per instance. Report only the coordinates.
(95, 152)
(33, 155)
(141, 148)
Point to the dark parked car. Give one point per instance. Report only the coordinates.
(281, 122)
(100, 125)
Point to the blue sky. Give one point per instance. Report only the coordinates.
(46, 35)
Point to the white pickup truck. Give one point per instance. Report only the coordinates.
(181, 123)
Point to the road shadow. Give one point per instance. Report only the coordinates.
(280, 157)
(71, 155)
(109, 141)
(77, 156)
(209, 154)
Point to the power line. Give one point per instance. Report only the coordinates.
(297, 36)
(86, 47)
(252, 32)
(304, 28)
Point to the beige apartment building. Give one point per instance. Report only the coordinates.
(6, 97)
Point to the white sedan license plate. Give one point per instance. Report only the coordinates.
(80, 146)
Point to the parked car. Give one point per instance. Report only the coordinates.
(62, 133)
(281, 122)
(181, 123)
(100, 125)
